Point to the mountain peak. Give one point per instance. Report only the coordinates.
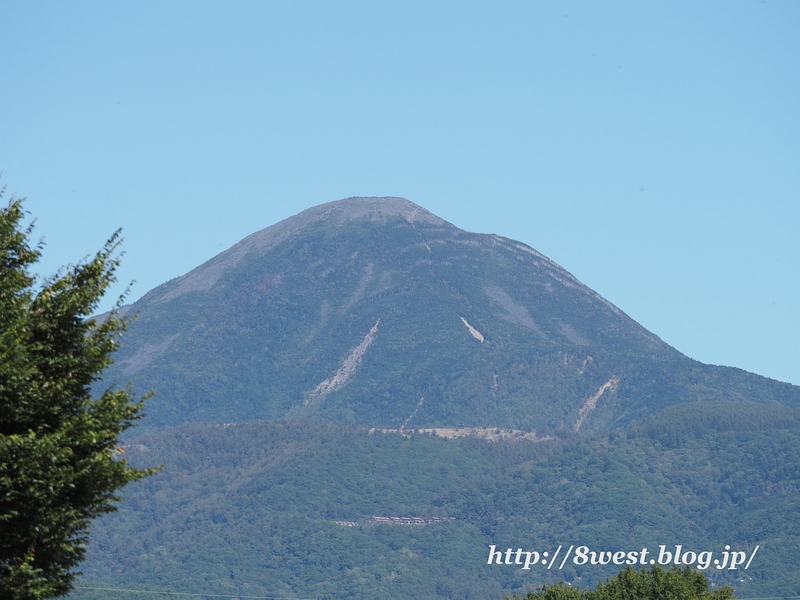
(369, 208)
(377, 312)
(375, 208)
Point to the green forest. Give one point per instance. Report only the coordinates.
(289, 508)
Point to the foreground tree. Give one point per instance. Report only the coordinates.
(646, 584)
(59, 460)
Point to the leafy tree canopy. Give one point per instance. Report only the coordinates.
(59, 461)
(645, 584)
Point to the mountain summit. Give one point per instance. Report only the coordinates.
(375, 311)
(261, 242)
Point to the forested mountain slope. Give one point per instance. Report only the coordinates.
(289, 509)
(296, 371)
(373, 311)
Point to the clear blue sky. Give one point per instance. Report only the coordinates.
(650, 148)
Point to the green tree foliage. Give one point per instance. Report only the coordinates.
(59, 460)
(645, 584)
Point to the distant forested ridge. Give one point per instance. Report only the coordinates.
(255, 507)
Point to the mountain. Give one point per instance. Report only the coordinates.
(303, 509)
(360, 401)
(374, 311)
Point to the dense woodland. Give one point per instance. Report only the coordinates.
(251, 508)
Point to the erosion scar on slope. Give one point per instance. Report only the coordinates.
(592, 402)
(403, 426)
(475, 333)
(347, 369)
